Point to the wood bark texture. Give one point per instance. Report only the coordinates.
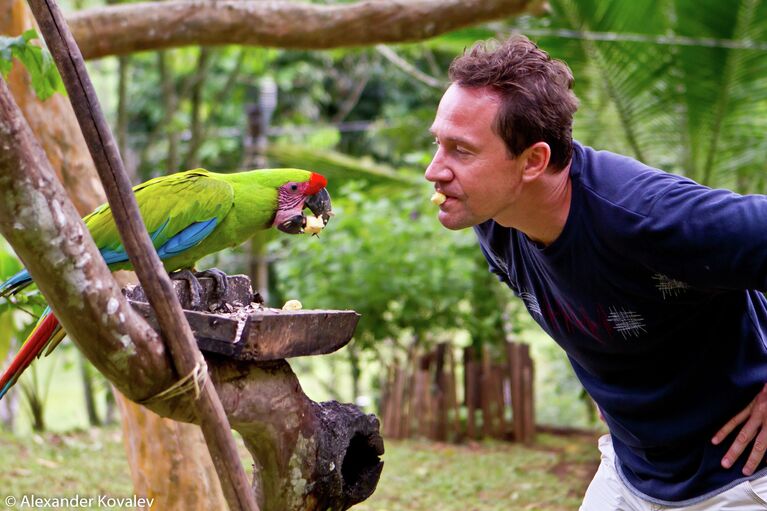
(309, 455)
(55, 126)
(128, 28)
(183, 348)
(169, 461)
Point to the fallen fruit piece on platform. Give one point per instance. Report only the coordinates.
(292, 305)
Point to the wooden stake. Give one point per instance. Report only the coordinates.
(529, 405)
(486, 385)
(470, 393)
(183, 348)
(441, 393)
(515, 374)
(452, 394)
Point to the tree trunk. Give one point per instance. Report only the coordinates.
(169, 461)
(88, 395)
(55, 126)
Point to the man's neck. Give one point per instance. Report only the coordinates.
(542, 209)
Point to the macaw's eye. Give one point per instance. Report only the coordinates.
(294, 187)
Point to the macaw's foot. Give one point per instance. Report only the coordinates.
(196, 289)
(221, 283)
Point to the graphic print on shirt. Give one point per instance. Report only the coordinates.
(669, 287)
(627, 322)
(531, 302)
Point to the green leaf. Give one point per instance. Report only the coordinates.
(38, 61)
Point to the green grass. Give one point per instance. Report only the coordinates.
(487, 476)
(550, 476)
(85, 463)
(418, 475)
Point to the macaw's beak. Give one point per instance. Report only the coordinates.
(293, 225)
(318, 204)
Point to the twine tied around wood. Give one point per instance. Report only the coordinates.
(194, 380)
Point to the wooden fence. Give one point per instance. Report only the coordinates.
(422, 398)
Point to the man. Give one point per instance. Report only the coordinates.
(650, 282)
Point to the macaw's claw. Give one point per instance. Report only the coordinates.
(195, 288)
(221, 283)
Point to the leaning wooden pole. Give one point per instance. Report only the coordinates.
(187, 358)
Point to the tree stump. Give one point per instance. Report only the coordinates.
(307, 455)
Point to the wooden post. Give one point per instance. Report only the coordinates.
(470, 391)
(427, 397)
(453, 398)
(135, 238)
(442, 402)
(387, 388)
(515, 373)
(398, 402)
(486, 396)
(500, 425)
(408, 400)
(528, 399)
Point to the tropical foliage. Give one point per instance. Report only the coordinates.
(679, 84)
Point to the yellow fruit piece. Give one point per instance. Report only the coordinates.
(438, 198)
(314, 225)
(292, 305)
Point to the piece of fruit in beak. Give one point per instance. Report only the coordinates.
(438, 198)
(319, 204)
(314, 225)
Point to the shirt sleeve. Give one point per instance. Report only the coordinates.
(707, 237)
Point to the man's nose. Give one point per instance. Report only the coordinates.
(437, 171)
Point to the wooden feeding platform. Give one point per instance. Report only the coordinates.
(240, 327)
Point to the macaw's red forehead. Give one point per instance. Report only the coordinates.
(316, 183)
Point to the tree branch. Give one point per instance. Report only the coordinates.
(46, 232)
(128, 28)
(135, 238)
(301, 447)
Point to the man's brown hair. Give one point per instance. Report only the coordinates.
(537, 100)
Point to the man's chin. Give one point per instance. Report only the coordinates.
(452, 222)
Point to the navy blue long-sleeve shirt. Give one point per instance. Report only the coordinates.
(653, 289)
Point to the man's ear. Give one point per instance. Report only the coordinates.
(536, 161)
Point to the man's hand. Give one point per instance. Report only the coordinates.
(755, 418)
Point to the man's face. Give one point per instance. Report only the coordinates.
(471, 166)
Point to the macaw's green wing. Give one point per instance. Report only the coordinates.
(179, 211)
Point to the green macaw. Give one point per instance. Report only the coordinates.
(188, 215)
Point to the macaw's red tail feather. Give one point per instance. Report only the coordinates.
(31, 348)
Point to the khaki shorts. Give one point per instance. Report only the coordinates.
(608, 492)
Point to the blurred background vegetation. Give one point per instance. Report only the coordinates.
(678, 84)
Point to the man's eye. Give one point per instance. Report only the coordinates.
(461, 150)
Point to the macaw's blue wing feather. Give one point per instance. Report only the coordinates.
(187, 238)
(15, 283)
(183, 240)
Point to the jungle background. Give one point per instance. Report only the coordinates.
(678, 84)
